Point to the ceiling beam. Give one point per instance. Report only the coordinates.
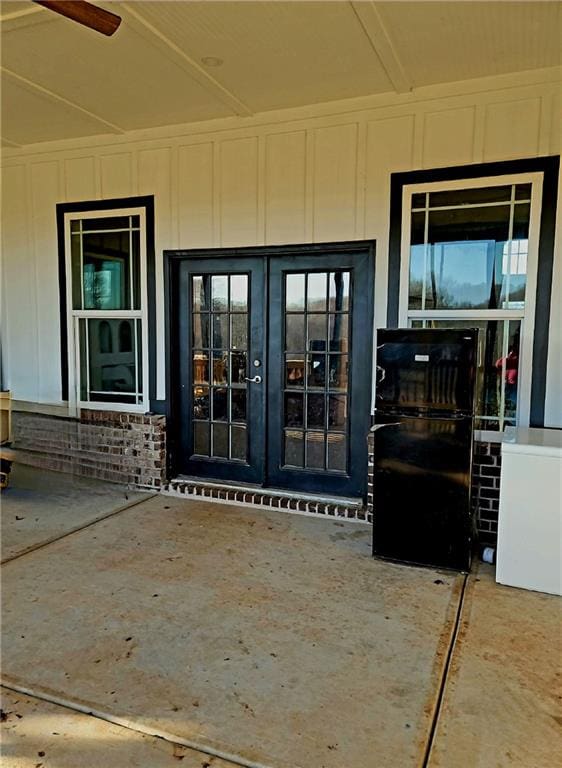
(57, 99)
(141, 25)
(381, 42)
(20, 13)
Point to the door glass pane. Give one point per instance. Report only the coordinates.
(220, 326)
(220, 440)
(294, 448)
(337, 452)
(338, 375)
(200, 368)
(294, 409)
(315, 446)
(200, 291)
(238, 443)
(316, 332)
(314, 418)
(295, 333)
(219, 293)
(239, 293)
(220, 331)
(200, 331)
(317, 289)
(294, 292)
(315, 411)
(220, 404)
(220, 367)
(339, 291)
(201, 438)
(294, 371)
(238, 405)
(239, 331)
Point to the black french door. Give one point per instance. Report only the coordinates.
(271, 365)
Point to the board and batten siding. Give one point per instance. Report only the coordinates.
(305, 175)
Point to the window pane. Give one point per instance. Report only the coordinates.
(470, 196)
(106, 270)
(498, 368)
(76, 262)
(467, 260)
(316, 332)
(338, 335)
(109, 362)
(220, 367)
(220, 331)
(315, 411)
(220, 404)
(106, 222)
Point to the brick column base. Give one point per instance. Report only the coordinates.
(124, 448)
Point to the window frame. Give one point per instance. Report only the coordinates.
(526, 315)
(73, 316)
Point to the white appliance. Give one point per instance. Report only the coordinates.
(530, 515)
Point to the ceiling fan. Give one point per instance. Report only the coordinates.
(88, 14)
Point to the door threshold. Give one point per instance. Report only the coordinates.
(268, 498)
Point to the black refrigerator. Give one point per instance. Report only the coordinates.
(423, 434)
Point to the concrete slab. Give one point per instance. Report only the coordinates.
(266, 636)
(503, 696)
(39, 506)
(38, 733)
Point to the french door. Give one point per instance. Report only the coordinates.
(270, 363)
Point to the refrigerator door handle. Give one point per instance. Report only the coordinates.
(390, 424)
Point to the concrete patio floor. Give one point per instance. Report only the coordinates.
(40, 506)
(266, 639)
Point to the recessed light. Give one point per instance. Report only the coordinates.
(212, 61)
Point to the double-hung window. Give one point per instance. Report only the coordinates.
(106, 309)
(469, 259)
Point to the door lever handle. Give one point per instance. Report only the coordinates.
(254, 380)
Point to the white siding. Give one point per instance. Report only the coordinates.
(311, 174)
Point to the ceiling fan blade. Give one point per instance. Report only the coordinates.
(84, 13)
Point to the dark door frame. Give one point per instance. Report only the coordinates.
(172, 260)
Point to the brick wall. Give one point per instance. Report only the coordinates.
(486, 467)
(120, 447)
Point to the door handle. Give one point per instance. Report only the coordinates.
(254, 380)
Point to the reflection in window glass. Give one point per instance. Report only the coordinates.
(498, 368)
(458, 255)
(316, 324)
(109, 361)
(469, 251)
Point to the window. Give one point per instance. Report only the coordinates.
(469, 259)
(105, 259)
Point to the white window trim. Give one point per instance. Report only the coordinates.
(73, 316)
(527, 315)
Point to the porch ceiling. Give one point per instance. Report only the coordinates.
(61, 80)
